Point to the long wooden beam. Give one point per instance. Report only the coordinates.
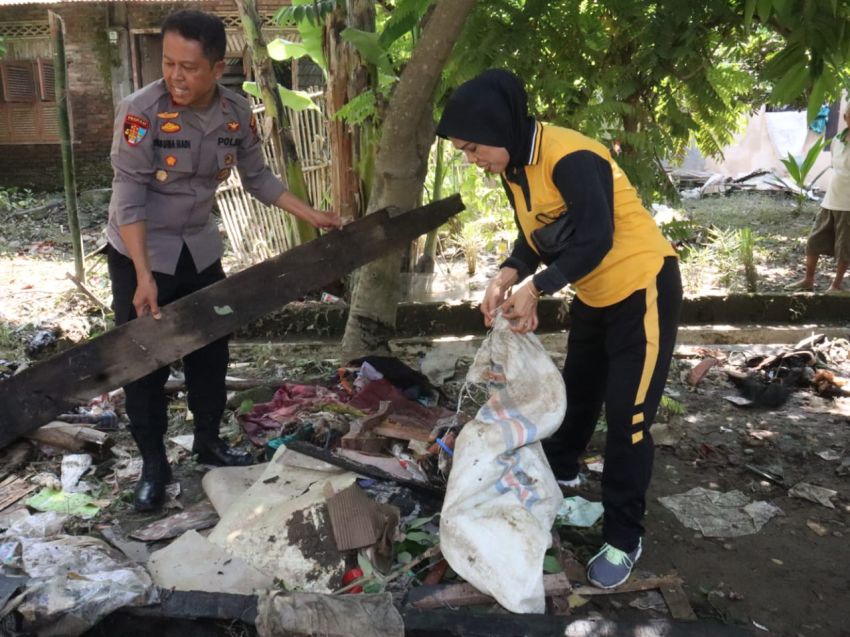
(124, 354)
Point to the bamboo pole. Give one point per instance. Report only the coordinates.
(68, 173)
(264, 74)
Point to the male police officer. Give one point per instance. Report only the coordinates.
(175, 140)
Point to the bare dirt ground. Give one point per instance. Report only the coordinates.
(790, 578)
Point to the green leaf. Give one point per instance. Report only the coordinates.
(404, 557)
(551, 564)
(365, 565)
(373, 587)
(403, 19)
(791, 86)
(420, 537)
(812, 157)
(246, 406)
(816, 98)
(420, 522)
(793, 169)
(251, 88)
(296, 100)
(369, 46)
(749, 10)
(281, 49)
(764, 7)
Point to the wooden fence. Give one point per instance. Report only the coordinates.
(257, 232)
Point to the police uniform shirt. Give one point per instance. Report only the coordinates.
(168, 162)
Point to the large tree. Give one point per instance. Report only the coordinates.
(650, 76)
(402, 160)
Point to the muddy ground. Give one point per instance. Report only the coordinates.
(789, 578)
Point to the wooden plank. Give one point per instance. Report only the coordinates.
(677, 601)
(632, 586)
(175, 605)
(393, 429)
(363, 469)
(71, 437)
(13, 489)
(451, 595)
(126, 353)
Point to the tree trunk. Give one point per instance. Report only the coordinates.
(407, 135)
(284, 146)
(57, 29)
(429, 252)
(349, 76)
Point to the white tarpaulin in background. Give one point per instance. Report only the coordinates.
(501, 498)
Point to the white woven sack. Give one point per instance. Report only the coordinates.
(501, 498)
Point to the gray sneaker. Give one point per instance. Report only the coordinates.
(611, 567)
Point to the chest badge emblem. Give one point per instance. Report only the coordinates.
(170, 161)
(170, 127)
(233, 125)
(161, 175)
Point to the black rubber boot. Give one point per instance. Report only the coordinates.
(216, 452)
(211, 449)
(156, 474)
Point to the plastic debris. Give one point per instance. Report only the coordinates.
(76, 504)
(576, 511)
(717, 514)
(74, 466)
(813, 493)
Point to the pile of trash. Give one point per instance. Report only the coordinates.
(350, 500)
(769, 380)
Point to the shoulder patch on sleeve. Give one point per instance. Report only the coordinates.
(135, 129)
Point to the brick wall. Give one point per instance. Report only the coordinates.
(90, 97)
(90, 88)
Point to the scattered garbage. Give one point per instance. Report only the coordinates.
(813, 493)
(201, 516)
(306, 614)
(193, 563)
(74, 467)
(76, 504)
(576, 511)
(74, 581)
(717, 514)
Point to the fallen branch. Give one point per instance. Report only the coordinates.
(82, 288)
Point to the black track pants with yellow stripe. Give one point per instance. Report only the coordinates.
(619, 355)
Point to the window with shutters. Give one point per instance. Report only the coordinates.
(28, 102)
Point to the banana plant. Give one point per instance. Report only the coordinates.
(799, 171)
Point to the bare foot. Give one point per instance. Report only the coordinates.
(803, 285)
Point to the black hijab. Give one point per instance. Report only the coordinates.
(491, 109)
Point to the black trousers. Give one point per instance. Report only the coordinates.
(619, 355)
(205, 369)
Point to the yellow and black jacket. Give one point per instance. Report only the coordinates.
(616, 247)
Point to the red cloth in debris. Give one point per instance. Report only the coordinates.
(404, 410)
(266, 420)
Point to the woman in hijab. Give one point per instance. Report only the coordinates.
(580, 217)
